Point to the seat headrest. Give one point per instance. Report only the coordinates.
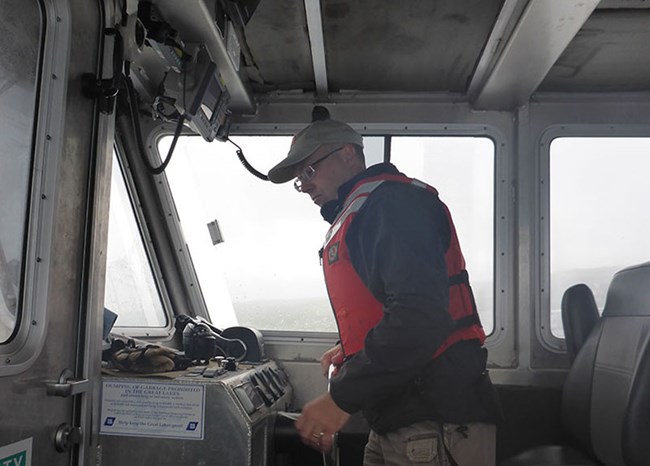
(629, 292)
(579, 315)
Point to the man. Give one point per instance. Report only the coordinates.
(410, 355)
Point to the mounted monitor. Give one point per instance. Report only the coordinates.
(208, 110)
(199, 93)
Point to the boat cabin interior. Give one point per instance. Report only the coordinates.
(162, 302)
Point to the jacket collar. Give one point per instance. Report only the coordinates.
(330, 209)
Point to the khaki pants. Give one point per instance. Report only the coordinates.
(419, 444)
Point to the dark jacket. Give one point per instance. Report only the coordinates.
(397, 244)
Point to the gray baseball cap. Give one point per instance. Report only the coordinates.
(307, 141)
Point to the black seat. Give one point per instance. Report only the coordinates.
(606, 395)
(579, 315)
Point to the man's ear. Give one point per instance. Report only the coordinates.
(348, 154)
(351, 159)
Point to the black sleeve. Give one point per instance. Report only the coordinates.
(397, 244)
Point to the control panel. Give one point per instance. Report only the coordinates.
(238, 412)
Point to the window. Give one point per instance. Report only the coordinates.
(131, 290)
(18, 80)
(267, 274)
(462, 170)
(599, 216)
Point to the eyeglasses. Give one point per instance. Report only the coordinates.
(309, 171)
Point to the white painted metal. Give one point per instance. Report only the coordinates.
(499, 36)
(317, 44)
(544, 30)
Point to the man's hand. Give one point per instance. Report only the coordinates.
(333, 356)
(321, 418)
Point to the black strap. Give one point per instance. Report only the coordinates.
(459, 278)
(472, 319)
(467, 321)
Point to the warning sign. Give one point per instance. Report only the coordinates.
(17, 454)
(142, 409)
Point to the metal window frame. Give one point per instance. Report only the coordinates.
(24, 348)
(543, 220)
(147, 244)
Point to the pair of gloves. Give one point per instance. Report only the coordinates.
(144, 359)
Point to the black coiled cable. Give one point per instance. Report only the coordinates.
(135, 123)
(246, 164)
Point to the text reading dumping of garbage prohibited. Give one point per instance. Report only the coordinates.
(141, 409)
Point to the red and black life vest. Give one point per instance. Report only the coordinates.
(356, 309)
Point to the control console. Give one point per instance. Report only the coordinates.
(239, 407)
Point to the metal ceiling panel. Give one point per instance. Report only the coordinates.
(413, 46)
(623, 4)
(492, 53)
(279, 44)
(611, 53)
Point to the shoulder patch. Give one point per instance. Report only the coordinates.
(333, 253)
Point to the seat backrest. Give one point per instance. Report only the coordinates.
(636, 425)
(605, 383)
(579, 315)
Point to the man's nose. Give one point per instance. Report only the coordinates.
(307, 186)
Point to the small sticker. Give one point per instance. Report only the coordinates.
(333, 253)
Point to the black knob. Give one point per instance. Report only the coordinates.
(230, 364)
